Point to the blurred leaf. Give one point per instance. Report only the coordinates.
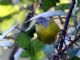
(6, 24)
(75, 58)
(7, 10)
(6, 32)
(28, 52)
(63, 1)
(63, 6)
(28, 2)
(37, 44)
(78, 3)
(33, 48)
(38, 56)
(7, 17)
(25, 54)
(46, 4)
(23, 40)
(5, 2)
(38, 11)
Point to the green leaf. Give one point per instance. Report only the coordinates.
(46, 4)
(37, 44)
(23, 40)
(32, 48)
(5, 2)
(63, 6)
(29, 52)
(75, 58)
(38, 56)
(25, 54)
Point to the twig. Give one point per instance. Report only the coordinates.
(71, 44)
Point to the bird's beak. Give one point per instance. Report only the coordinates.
(37, 22)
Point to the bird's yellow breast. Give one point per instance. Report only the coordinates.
(47, 34)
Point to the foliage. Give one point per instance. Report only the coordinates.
(23, 40)
(75, 58)
(5, 2)
(62, 6)
(46, 4)
(38, 56)
(11, 15)
(32, 51)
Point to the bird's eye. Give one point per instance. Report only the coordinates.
(41, 21)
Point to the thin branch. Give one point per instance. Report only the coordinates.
(71, 44)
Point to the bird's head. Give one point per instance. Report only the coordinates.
(41, 20)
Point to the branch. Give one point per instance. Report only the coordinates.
(65, 27)
(71, 44)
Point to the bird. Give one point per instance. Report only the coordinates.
(46, 30)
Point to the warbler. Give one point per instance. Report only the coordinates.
(46, 30)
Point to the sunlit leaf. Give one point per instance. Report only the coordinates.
(7, 10)
(38, 56)
(63, 1)
(38, 11)
(6, 32)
